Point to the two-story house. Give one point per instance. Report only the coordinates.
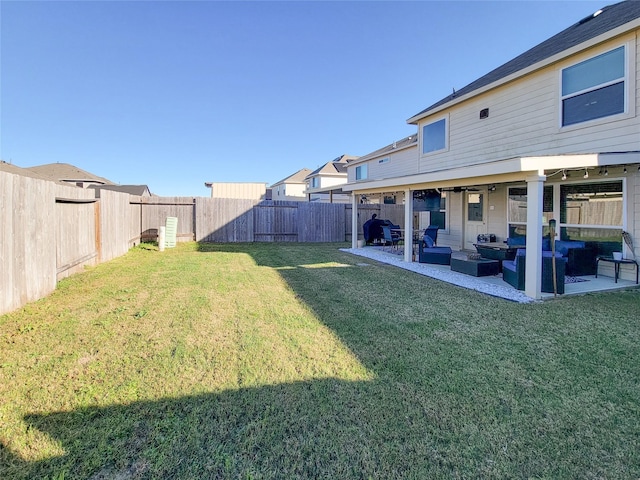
(325, 183)
(552, 134)
(291, 188)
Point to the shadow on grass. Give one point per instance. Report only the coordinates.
(445, 408)
(299, 430)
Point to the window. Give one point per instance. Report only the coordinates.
(439, 217)
(591, 204)
(592, 212)
(434, 136)
(517, 203)
(435, 203)
(475, 207)
(594, 88)
(315, 182)
(361, 172)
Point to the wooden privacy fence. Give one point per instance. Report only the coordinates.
(50, 231)
(221, 220)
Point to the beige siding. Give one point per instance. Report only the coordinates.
(403, 162)
(250, 191)
(497, 213)
(400, 163)
(332, 181)
(524, 121)
(453, 235)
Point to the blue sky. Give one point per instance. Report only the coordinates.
(173, 94)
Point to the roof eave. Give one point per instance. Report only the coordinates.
(610, 35)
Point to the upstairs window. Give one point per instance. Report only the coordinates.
(434, 136)
(361, 172)
(594, 88)
(315, 182)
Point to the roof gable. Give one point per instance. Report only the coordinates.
(65, 172)
(596, 24)
(297, 177)
(411, 140)
(334, 167)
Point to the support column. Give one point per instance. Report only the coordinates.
(354, 220)
(408, 226)
(533, 271)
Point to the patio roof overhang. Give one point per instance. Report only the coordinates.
(502, 171)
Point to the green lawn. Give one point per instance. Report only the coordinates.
(261, 361)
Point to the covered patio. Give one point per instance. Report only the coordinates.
(490, 285)
(533, 174)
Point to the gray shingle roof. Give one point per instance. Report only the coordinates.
(59, 172)
(297, 177)
(392, 147)
(337, 166)
(139, 190)
(612, 16)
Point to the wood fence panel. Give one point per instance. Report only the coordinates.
(155, 210)
(27, 240)
(321, 222)
(75, 222)
(393, 213)
(222, 220)
(276, 221)
(364, 213)
(115, 225)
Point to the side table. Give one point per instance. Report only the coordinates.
(616, 265)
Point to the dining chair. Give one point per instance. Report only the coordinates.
(391, 239)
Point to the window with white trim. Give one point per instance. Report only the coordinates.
(594, 88)
(361, 172)
(315, 182)
(593, 212)
(434, 136)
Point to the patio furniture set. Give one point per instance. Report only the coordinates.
(573, 258)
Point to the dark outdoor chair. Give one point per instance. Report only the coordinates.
(391, 238)
(432, 231)
(513, 271)
(429, 252)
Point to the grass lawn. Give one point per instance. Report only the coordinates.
(262, 361)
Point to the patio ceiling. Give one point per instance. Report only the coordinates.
(502, 171)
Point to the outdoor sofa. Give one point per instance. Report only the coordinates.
(513, 271)
(580, 257)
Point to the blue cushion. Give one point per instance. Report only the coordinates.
(516, 241)
(428, 241)
(509, 265)
(563, 246)
(546, 244)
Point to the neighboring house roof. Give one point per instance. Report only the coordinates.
(25, 172)
(596, 24)
(66, 173)
(392, 147)
(334, 167)
(140, 190)
(297, 177)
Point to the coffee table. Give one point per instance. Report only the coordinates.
(496, 250)
(477, 268)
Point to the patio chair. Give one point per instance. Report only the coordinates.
(513, 271)
(432, 232)
(430, 253)
(390, 238)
